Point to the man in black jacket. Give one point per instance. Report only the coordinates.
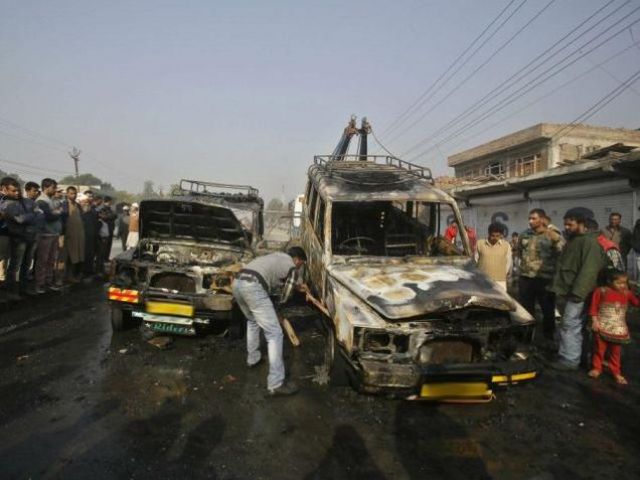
(20, 219)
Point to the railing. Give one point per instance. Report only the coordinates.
(329, 162)
(197, 187)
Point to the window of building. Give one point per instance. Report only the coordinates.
(495, 168)
(527, 165)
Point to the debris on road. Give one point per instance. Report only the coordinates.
(162, 343)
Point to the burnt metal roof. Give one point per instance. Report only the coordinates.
(373, 177)
(239, 196)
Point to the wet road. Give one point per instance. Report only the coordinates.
(79, 402)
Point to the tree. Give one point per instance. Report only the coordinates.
(125, 197)
(147, 190)
(275, 205)
(12, 175)
(84, 179)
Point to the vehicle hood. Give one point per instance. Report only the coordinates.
(190, 220)
(407, 291)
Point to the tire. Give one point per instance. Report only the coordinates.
(237, 324)
(120, 319)
(340, 372)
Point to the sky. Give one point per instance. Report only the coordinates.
(249, 91)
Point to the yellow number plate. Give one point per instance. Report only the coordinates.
(456, 390)
(163, 308)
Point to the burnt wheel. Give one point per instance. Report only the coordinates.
(339, 371)
(237, 325)
(120, 319)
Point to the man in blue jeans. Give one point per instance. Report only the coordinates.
(260, 278)
(576, 277)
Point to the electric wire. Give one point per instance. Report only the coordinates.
(31, 141)
(475, 71)
(599, 105)
(421, 99)
(525, 71)
(548, 94)
(34, 133)
(36, 168)
(373, 134)
(529, 86)
(110, 169)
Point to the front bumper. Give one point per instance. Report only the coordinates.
(175, 314)
(410, 379)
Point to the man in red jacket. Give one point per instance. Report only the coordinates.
(610, 248)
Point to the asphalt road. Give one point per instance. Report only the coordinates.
(77, 401)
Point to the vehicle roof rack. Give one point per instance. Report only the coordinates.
(215, 190)
(329, 163)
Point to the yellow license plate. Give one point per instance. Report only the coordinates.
(164, 308)
(456, 391)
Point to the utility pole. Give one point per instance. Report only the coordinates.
(75, 155)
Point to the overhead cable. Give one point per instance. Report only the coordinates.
(423, 97)
(548, 94)
(476, 70)
(599, 105)
(525, 71)
(529, 86)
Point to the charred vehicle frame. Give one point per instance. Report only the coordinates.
(407, 311)
(178, 278)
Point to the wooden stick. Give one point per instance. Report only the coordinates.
(291, 333)
(319, 305)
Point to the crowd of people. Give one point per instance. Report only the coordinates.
(582, 271)
(51, 236)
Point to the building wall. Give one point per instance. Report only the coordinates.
(597, 199)
(477, 166)
(546, 139)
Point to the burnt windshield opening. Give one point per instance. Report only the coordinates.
(395, 229)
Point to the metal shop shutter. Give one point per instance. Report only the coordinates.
(513, 215)
(601, 206)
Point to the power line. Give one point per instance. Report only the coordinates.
(32, 167)
(34, 133)
(548, 94)
(531, 85)
(381, 145)
(110, 169)
(524, 71)
(31, 141)
(474, 72)
(612, 75)
(421, 99)
(600, 104)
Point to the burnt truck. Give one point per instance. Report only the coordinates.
(178, 278)
(406, 310)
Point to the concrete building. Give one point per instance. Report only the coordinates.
(603, 182)
(536, 149)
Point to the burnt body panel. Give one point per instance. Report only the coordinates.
(407, 306)
(181, 271)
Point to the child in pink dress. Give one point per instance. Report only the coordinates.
(609, 323)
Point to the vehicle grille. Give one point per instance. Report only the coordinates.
(471, 323)
(438, 352)
(173, 281)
